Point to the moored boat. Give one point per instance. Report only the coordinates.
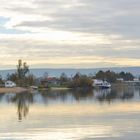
(101, 84)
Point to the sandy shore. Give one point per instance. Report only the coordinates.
(13, 90)
(59, 88)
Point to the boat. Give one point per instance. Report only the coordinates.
(34, 87)
(101, 84)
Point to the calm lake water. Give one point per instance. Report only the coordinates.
(71, 115)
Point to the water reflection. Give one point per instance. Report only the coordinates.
(21, 100)
(109, 95)
(24, 100)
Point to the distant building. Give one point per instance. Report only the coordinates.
(120, 79)
(10, 84)
(136, 80)
(53, 80)
(46, 82)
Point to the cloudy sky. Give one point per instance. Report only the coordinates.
(70, 33)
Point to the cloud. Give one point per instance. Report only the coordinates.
(76, 33)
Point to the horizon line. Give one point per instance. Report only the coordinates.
(77, 68)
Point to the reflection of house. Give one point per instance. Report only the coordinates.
(10, 84)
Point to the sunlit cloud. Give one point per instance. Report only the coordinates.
(61, 33)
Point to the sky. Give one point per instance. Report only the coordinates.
(70, 33)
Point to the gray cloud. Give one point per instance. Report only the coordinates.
(117, 18)
(106, 17)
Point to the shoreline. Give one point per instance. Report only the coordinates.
(60, 88)
(22, 89)
(13, 90)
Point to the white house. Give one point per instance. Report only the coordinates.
(10, 84)
(136, 80)
(120, 79)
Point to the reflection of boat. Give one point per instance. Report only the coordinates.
(101, 84)
(102, 92)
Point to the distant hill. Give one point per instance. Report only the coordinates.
(70, 72)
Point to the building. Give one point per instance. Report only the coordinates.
(47, 82)
(10, 84)
(136, 80)
(120, 79)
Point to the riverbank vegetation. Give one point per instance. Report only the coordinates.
(24, 78)
(112, 77)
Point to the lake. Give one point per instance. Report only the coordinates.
(71, 115)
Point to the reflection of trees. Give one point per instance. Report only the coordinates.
(115, 93)
(125, 93)
(22, 100)
(80, 94)
(1, 96)
(102, 95)
(65, 95)
(54, 95)
(105, 95)
(138, 89)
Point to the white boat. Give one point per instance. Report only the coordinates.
(101, 84)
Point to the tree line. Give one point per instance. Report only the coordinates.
(23, 77)
(112, 77)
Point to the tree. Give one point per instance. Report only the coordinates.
(12, 77)
(30, 80)
(1, 80)
(45, 76)
(81, 81)
(22, 69)
(22, 77)
(110, 76)
(126, 76)
(77, 76)
(100, 75)
(63, 78)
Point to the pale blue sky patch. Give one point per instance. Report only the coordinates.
(3, 20)
(4, 30)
